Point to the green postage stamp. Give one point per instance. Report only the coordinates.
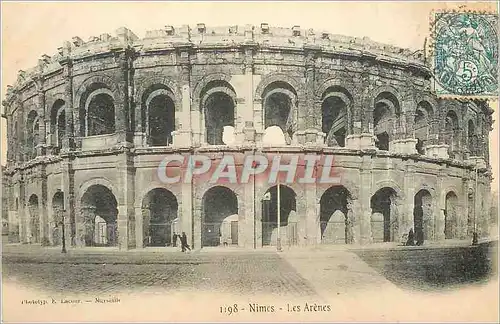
(465, 54)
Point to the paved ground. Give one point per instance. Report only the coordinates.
(307, 272)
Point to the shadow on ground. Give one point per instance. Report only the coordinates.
(434, 269)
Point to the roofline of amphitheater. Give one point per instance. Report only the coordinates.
(172, 38)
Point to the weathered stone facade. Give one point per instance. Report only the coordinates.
(88, 127)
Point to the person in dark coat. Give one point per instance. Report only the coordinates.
(184, 244)
(411, 238)
(174, 239)
(419, 235)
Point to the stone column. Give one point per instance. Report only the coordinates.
(126, 199)
(197, 222)
(44, 219)
(42, 133)
(186, 213)
(183, 135)
(249, 229)
(309, 233)
(122, 103)
(365, 191)
(409, 197)
(139, 227)
(439, 210)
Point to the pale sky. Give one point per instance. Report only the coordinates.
(30, 30)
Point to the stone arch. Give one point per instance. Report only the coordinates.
(103, 79)
(385, 89)
(97, 107)
(422, 121)
(336, 223)
(332, 83)
(32, 133)
(336, 115)
(152, 81)
(217, 105)
(386, 115)
(423, 215)
(471, 130)
(158, 114)
(203, 82)
(451, 132)
(288, 216)
(58, 121)
(220, 208)
(99, 216)
(277, 77)
(388, 184)
(95, 181)
(160, 217)
(385, 215)
(280, 108)
(51, 100)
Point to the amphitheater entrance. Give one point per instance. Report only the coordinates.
(288, 231)
(422, 216)
(34, 213)
(220, 217)
(384, 218)
(450, 216)
(159, 209)
(99, 214)
(334, 223)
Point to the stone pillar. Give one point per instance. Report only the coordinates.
(365, 191)
(248, 230)
(44, 219)
(309, 233)
(439, 210)
(182, 136)
(186, 215)
(139, 227)
(408, 221)
(126, 217)
(197, 222)
(42, 133)
(122, 103)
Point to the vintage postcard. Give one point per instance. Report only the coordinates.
(249, 161)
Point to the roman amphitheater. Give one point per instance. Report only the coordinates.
(88, 127)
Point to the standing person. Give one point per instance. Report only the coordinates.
(174, 239)
(184, 243)
(411, 238)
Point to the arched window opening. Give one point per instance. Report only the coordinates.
(451, 133)
(32, 129)
(279, 102)
(335, 118)
(161, 120)
(219, 113)
(34, 222)
(422, 128)
(386, 115)
(97, 111)
(58, 122)
(451, 217)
